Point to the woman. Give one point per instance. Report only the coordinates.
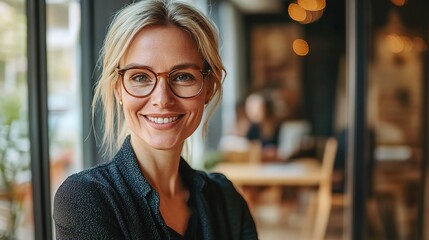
(264, 126)
(161, 67)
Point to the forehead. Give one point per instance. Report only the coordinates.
(162, 47)
(254, 100)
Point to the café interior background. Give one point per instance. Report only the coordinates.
(295, 51)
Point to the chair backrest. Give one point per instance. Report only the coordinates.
(329, 154)
(324, 193)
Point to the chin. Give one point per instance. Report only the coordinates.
(163, 145)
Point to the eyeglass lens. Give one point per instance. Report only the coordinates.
(140, 82)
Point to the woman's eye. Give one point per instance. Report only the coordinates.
(141, 78)
(183, 77)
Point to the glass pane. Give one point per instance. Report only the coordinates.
(284, 115)
(16, 216)
(395, 113)
(64, 99)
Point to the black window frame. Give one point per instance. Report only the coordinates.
(38, 117)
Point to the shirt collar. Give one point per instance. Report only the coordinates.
(192, 178)
(126, 161)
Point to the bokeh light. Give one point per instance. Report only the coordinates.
(395, 43)
(399, 3)
(312, 16)
(312, 5)
(419, 44)
(300, 47)
(296, 12)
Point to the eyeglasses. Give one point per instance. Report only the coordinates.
(184, 82)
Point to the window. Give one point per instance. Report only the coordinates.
(64, 108)
(64, 90)
(15, 175)
(64, 84)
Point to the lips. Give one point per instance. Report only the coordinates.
(163, 120)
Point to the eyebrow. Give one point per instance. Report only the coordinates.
(177, 66)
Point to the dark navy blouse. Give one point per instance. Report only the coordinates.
(114, 201)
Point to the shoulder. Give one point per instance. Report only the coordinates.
(94, 177)
(221, 185)
(219, 179)
(84, 189)
(84, 206)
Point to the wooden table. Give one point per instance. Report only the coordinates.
(302, 172)
(306, 172)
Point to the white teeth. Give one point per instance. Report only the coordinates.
(162, 120)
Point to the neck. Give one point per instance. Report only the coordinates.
(160, 168)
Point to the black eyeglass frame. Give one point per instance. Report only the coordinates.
(121, 72)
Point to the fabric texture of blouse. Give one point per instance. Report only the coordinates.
(114, 201)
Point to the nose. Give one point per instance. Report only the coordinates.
(162, 96)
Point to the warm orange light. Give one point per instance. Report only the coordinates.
(296, 12)
(308, 18)
(300, 47)
(312, 16)
(312, 5)
(395, 43)
(408, 44)
(399, 3)
(419, 44)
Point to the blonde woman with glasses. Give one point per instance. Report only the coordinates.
(161, 70)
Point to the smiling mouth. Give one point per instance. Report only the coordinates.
(161, 120)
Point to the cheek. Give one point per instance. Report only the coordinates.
(197, 111)
(132, 105)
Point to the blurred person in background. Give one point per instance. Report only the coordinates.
(161, 69)
(264, 126)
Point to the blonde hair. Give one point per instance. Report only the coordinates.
(126, 23)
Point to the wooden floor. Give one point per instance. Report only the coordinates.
(276, 224)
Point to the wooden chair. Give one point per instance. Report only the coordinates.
(239, 149)
(319, 203)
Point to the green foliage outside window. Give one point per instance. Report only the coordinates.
(14, 143)
(14, 162)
